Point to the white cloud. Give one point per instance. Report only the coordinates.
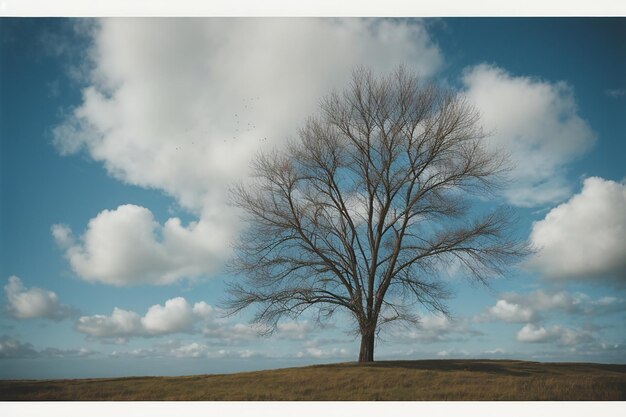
(325, 341)
(447, 353)
(248, 354)
(62, 235)
(314, 352)
(180, 105)
(121, 323)
(531, 333)
(23, 303)
(219, 331)
(530, 307)
(126, 246)
(66, 353)
(537, 123)
(585, 237)
(13, 348)
(511, 312)
(294, 330)
(175, 316)
(204, 310)
(436, 322)
(180, 350)
(606, 305)
(137, 353)
(435, 328)
(191, 350)
(542, 300)
(616, 93)
(496, 351)
(223, 333)
(523, 308)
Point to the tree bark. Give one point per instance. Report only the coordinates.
(366, 353)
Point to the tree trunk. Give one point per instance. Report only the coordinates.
(366, 353)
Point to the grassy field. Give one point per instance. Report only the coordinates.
(398, 380)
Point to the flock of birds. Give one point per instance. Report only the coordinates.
(238, 123)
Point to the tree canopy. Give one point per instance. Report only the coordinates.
(366, 208)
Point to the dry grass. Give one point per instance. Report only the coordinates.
(401, 380)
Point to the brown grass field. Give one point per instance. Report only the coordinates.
(467, 380)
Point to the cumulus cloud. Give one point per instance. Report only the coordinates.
(314, 352)
(537, 123)
(496, 351)
(181, 105)
(175, 316)
(435, 328)
(136, 353)
(598, 351)
(127, 246)
(171, 348)
(531, 307)
(62, 235)
(447, 353)
(182, 350)
(534, 307)
(120, 323)
(191, 350)
(585, 237)
(14, 348)
(294, 330)
(524, 308)
(220, 331)
(532, 333)
(67, 353)
(231, 334)
(511, 312)
(606, 305)
(31, 303)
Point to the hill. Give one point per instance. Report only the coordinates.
(385, 380)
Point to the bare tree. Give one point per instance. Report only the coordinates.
(364, 211)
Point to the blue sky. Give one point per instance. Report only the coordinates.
(118, 140)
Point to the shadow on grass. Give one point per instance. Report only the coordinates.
(498, 367)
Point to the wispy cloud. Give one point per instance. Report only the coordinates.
(314, 352)
(616, 93)
(435, 328)
(14, 348)
(186, 350)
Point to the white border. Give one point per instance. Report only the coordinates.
(283, 8)
(280, 8)
(327, 409)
